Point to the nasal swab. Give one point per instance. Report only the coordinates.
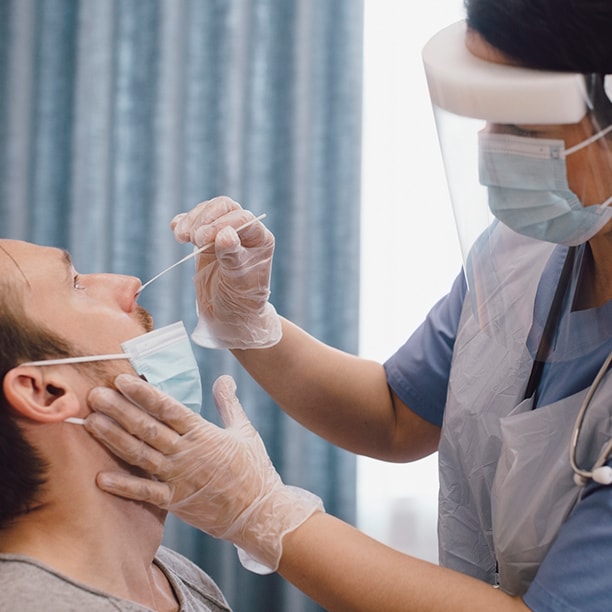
(197, 252)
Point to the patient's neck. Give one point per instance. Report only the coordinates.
(103, 541)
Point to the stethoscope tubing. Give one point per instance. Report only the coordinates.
(581, 475)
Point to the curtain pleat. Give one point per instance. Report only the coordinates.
(115, 115)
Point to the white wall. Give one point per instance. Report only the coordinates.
(410, 251)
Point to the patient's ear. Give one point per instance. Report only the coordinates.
(40, 394)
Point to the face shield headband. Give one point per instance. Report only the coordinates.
(468, 86)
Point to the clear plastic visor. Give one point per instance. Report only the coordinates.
(522, 143)
(484, 110)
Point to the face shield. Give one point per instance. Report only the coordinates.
(528, 162)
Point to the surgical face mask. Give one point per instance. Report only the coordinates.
(528, 189)
(164, 357)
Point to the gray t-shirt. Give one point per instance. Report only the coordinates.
(27, 585)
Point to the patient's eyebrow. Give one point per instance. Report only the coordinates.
(66, 256)
(67, 264)
(67, 261)
(25, 278)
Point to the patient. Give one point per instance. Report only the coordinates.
(63, 542)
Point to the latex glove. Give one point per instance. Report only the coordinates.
(218, 480)
(233, 281)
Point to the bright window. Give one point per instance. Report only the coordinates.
(410, 252)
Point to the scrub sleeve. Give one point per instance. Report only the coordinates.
(419, 371)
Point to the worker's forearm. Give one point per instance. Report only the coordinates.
(341, 397)
(346, 571)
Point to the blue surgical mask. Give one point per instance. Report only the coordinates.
(164, 357)
(529, 192)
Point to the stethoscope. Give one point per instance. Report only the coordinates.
(600, 472)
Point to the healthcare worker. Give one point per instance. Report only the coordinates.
(507, 378)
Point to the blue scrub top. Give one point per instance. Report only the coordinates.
(419, 371)
(575, 573)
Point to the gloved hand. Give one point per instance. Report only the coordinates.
(218, 480)
(233, 280)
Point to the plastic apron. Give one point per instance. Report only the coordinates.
(506, 485)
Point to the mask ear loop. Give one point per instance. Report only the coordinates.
(606, 203)
(588, 141)
(594, 138)
(71, 360)
(607, 84)
(75, 421)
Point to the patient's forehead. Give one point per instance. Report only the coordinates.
(22, 261)
(13, 254)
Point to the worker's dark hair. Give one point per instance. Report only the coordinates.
(571, 35)
(567, 35)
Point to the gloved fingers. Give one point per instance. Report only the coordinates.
(228, 405)
(133, 418)
(134, 487)
(223, 236)
(254, 236)
(206, 233)
(185, 224)
(228, 248)
(158, 404)
(125, 446)
(252, 265)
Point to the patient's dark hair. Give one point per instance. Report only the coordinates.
(566, 35)
(22, 469)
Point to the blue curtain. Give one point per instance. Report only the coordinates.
(117, 114)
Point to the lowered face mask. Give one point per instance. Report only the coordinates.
(163, 357)
(528, 189)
